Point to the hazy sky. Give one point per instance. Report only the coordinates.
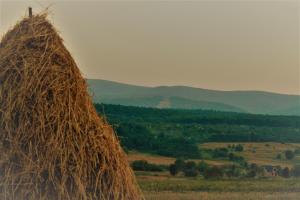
(227, 45)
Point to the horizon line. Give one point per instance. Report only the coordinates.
(194, 87)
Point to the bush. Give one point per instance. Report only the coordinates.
(213, 172)
(296, 171)
(173, 169)
(239, 148)
(220, 153)
(251, 173)
(253, 170)
(233, 171)
(285, 172)
(253, 166)
(279, 170)
(235, 158)
(143, 165)
(190, 172)
(279, 156)
(180, 164)
(190, 169)
(202, 166)
(289, 154)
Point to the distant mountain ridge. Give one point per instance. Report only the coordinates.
(184, 97)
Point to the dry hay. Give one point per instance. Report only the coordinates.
(53, 144)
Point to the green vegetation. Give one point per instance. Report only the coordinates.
(289, 154)
(193, 98)
(225, 185)
(143, 165)
(177, 133)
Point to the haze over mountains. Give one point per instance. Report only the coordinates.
(184, 97)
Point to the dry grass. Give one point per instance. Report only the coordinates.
(164, 160)
(262, 153)
(155, 159)
(53, 144)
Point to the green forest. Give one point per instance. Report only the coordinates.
(178, 133)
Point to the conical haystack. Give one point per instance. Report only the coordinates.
(53, 145)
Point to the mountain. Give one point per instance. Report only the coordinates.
(194, 98)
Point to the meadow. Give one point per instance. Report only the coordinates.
(162, 185)
(264, 153)
(162, 136)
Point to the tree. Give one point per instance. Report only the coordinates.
(173, 169)
(289, 154)
(180, 164)
(202, 166)
(190, 169)
(285, 172)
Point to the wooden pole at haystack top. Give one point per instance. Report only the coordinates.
(30, 11)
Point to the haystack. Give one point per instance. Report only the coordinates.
(53, 144)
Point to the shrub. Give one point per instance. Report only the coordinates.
(239, 148)
(268, 168)
(251, 173)
(285, 172)
(233, 171)
(253, 170)
(289, 154)
(253, 166)
(180, 164)
(279, 170)
(236, 158)
(202, 166)
(190, 164)
(220, 153)
(143, 165)
(261, 171)
(190, 169)
(213, 172)
(173, 169)
(191, 172)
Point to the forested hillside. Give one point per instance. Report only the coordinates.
(184, 97)
(178, 132)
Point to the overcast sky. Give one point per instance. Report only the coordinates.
(223, 45)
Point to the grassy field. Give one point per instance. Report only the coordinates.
(262, 153)
(259, 153)
(161, 185)
(221, 195)
(156, 159)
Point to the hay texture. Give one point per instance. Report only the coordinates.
(53, 145)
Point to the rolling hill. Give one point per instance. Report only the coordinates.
(184, 97)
